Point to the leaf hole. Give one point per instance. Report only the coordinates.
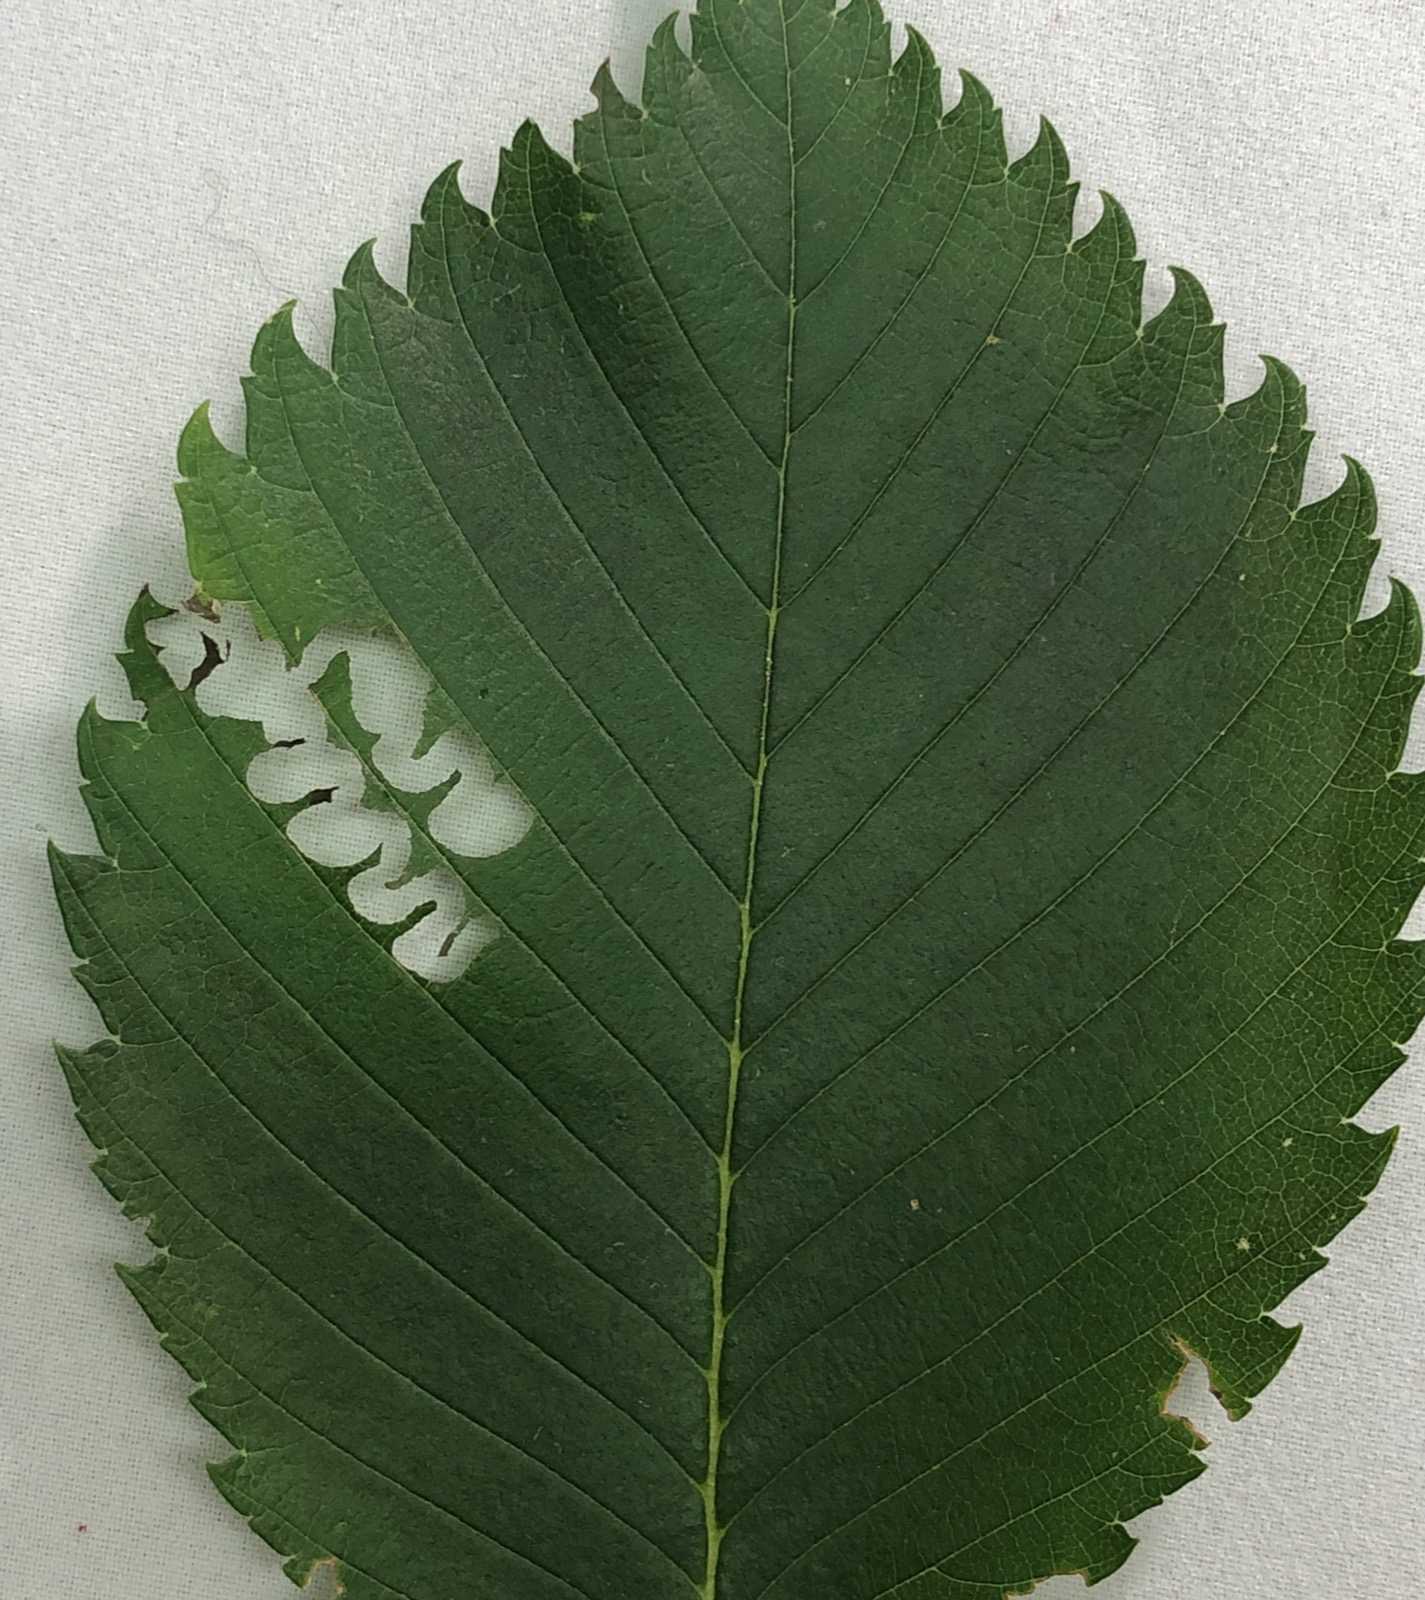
(212, 659)
(1056, 1587)
(323, 1583)
(356, 789)
(1192, 1397)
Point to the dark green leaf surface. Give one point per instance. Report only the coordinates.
(958, 922)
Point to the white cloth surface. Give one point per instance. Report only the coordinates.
(172, 170)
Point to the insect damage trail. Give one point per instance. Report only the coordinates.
(343, 822)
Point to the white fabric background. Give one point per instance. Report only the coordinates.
(171, 171)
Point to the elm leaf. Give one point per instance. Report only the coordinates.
(947, 916)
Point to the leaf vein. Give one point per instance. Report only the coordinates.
(1071, 1156)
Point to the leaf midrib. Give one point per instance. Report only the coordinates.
(726, 1177)
(1253, 1133)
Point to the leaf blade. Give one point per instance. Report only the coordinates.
(1038, 713)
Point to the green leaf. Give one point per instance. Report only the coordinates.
(957, 921)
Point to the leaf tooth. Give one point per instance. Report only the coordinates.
(200, 452)
(1280, 393)
(124, 844)
(1112, 243)
(1043, 170)
(529, 144)
(1103, 1553)
(75, 875)
(262, 356)
(1402, 614)
(1353, 503)
(1292, 388)
(268, 443)
(146, 675)
(1359, 483)
(445, 196)
(1380, 653)
(446, 216)
(73, 871)
(1184, 334)
(363, 275)
(1187, 304)
(609, 98)
(278, 356)
(145, 1284)
(1112, 233)
(667, 67)
(1243, 1357)
(1397, 624)
(973, 128)
(976, 119)
(1341, 525)
(363, 294)
(877, 31)
(207, 467)
(1362, 1073)
(84, 886)
(530, 163)
(917, 64)
(117, 1165)
(1243, 1346)
(1046, 161)
(1271, 425)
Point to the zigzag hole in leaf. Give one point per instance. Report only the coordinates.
(357, 797)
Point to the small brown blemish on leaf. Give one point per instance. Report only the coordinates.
(320, 797)
(287, 744)
(447, 944)
(201, 607)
